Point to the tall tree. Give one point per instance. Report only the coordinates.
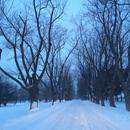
(113, 16)
(28, 34)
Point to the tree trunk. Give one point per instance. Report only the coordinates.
(124, 86)
(126, 96)
(102, 99)
(117, 98)
(97, 99)
(60, 97)
(34, 97)
(63, 92)
(121, 98)
(5, 104)
(112, 103)
(53, 98)
(91, 99)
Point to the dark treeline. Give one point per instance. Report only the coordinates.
(12, 93)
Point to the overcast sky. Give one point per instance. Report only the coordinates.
(72, 9)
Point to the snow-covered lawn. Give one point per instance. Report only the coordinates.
(71, 115)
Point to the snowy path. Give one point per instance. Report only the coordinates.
(74, 115)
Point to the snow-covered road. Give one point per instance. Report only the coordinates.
(72, 115)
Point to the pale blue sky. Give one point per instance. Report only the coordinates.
(74, 6)
(72, 9)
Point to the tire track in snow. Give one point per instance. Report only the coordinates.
(73, 115)
(87, 121)
(48, 120)
(35, 123)
(97, 120)
(74, 119)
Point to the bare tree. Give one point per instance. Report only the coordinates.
(28, 34)
(53, 66)
(113, 17)
(94, 62)
(56, 65)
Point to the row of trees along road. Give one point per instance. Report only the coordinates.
(104, 52)
(12, 93)
(7, 91)
(33, 34)
(102, 49)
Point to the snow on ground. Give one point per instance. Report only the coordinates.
(70, 115)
